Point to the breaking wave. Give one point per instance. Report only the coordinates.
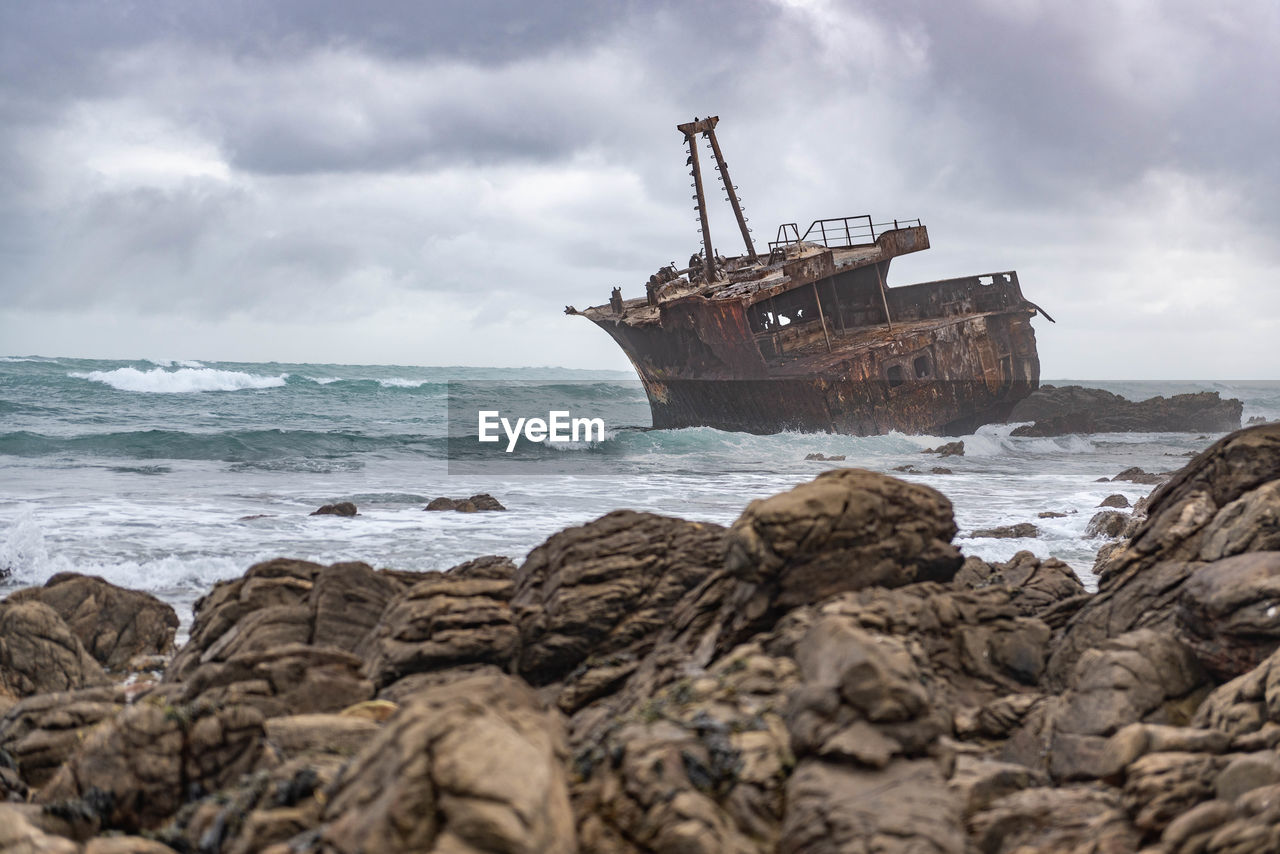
(181, 381)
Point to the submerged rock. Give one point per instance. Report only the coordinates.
(1005, 532)
(477, 503)
(342, 508)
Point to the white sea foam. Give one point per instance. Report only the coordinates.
(24, 554)
(324, 380)
(181, 363)
(182, 380)
(400, 382)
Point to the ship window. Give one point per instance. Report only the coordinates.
(923, 368)
(985, 280)
(894, 373)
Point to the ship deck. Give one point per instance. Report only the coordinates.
(813, 357)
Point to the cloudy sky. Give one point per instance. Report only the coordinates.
(432, 182)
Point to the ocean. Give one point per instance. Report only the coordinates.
(167, 476)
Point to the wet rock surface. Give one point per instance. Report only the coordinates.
(829, 673)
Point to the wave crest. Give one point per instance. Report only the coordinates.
(181, 381)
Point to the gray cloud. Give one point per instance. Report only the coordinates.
(308, 163)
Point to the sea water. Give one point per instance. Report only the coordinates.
(167, 476)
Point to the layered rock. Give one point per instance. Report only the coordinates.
(1225, 502)
(845, 530)
(113, 624)
(446, 620)
(606, 589)
(477, 765)
(284, 601)
(40, 654)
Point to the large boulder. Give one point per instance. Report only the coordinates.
(286, 601)
(42, 731)
(477, 765)
(39, 654)
(1225, 502)
(905, 808)
(606, 588)
(1142, 676)
(1229, 612)
(294, 679)
(845, 530)
(447, 620)
(688, 762)
(113, 623)
(135, 770)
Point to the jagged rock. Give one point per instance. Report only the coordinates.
(445, 620)
(835, 458)
(1247, 772)
(1005, 532)
(1196, 516)
(113, 623)
(907, 469)
(284, 601)
(1115, 500)
(476, 765)
(484, 501)
(940, 470)
(1059, 410)
(135, 770)
(948, 449)
(294, 679)
(1134, 474)
(1255, 419)
(1051, 514)
(1137, 740)
(1068, 819)
(1247, 703)
(904, 808)
(979, 782)
(863, 700)
(1229, 612)
(342, 508)
(40, 654)
(1048, 589)
(696, 763)
(1159, 787)
(845, 530)
(1141, 676)
(1107, 523)
(606, 587)
(42, 731)
(1251, 823)
(18, 835)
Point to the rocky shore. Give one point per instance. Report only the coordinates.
(1059, 410)
(827, 674)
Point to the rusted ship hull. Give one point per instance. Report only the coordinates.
(701, 365)
(811, 338)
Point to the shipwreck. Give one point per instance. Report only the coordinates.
(810, 337)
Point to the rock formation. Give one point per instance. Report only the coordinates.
(1059, 410)
(827, 674)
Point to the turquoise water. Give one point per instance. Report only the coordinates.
(143, 471)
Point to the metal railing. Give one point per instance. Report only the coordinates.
(836, 231)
